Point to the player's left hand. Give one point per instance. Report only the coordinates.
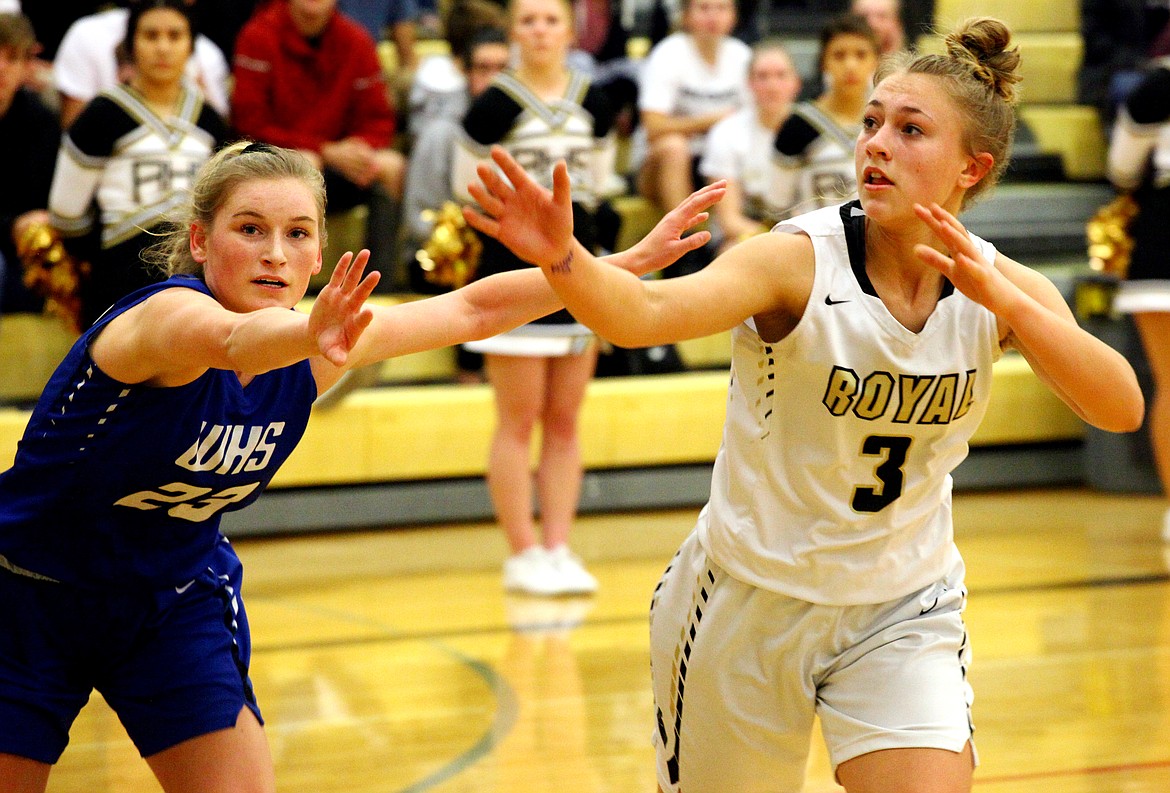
(535, 224)
(666, 243)
(339, 315)
(965, 267)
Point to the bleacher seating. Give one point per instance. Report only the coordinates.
(412, 449)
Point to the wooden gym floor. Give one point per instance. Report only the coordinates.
(388, 661)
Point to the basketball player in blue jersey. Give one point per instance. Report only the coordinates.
(822, 579)
(179, 404)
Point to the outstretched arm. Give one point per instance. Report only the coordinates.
(1092, 378)
(537, 225)
(176, 335)
(614, 302)
(506, 300)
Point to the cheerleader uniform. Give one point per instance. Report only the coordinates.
(1139, 160)
(537, 133)
(126, 170)
(816, 154)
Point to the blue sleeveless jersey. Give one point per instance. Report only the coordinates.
(124, 485)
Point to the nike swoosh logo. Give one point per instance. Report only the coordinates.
(831, 302)
(181, 589)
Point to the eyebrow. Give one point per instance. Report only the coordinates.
(251, 213)
(908, 109)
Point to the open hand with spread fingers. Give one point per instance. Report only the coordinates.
(340, 315)
(965, 267)
(535, 224)
(665, 244)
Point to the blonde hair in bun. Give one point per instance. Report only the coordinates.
(979, 72)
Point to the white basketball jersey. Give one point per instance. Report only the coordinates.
(833, 481)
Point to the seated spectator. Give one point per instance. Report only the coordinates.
(885, 17)
(429, 174)
(690, 81)
(133, 151)
(307, 77)
(398, 17)
(439, 88)
(815, 144)
(739, 150)
(87, 63)
(29, 135)
(40, 71)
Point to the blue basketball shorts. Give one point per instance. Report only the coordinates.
(173, 664)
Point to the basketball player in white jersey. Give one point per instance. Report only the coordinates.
(823, 578)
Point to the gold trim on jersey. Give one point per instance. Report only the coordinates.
(555, 113)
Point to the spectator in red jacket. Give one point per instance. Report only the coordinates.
(307, 77)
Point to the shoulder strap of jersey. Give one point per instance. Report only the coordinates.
(529, 102)
(853, 219)
(824, 124)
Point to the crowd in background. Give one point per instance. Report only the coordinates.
(342, 81)
(108, 110)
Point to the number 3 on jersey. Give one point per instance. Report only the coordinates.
(893, 449)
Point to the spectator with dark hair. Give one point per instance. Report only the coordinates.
(87, 62)
(428, 174)
(29, 134)
(307, 77)
(815, 145)
(132, 153)
(439, 88)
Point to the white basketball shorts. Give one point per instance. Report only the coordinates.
(740, 672)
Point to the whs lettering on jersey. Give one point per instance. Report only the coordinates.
(903, 399)
(222, 449)
(231, 449)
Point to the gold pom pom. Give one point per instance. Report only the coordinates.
(51, 272)
(451, 254)
(1110, 243)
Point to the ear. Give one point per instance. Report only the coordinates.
(198, 243)
(978, 166)
(320, 260)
